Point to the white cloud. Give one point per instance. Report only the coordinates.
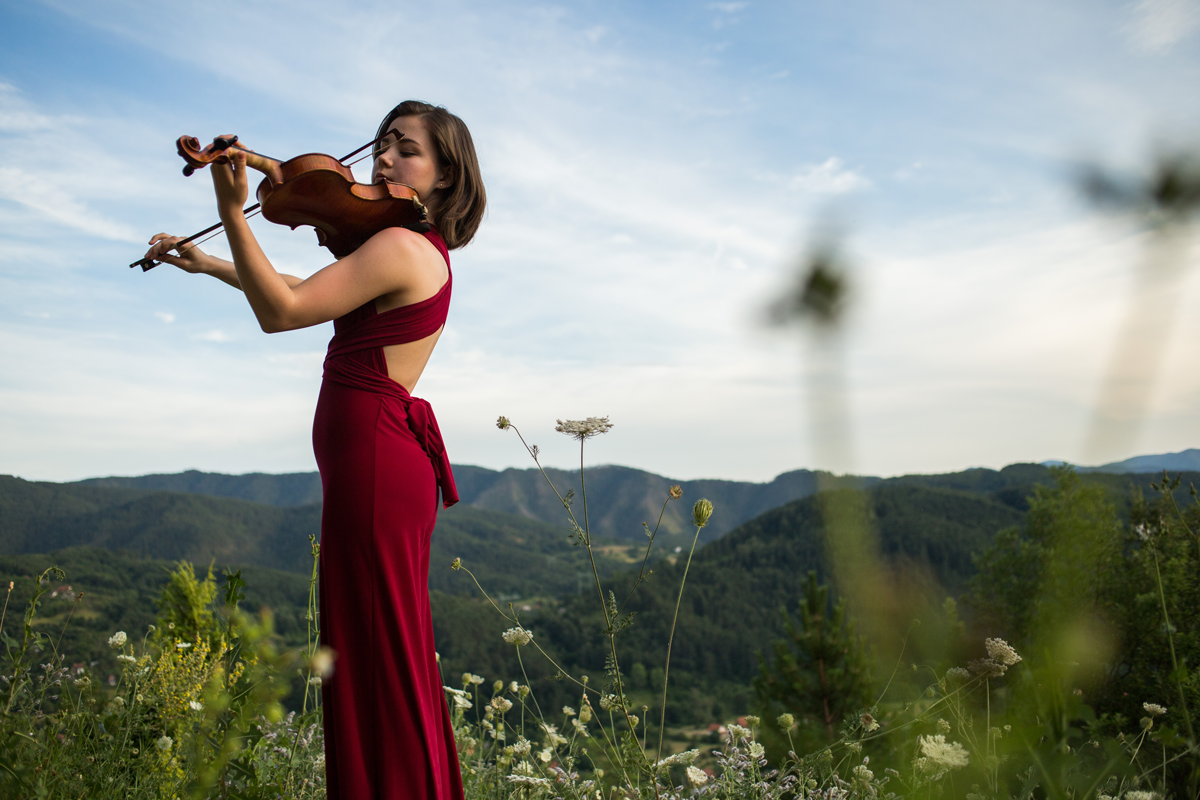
(829, 177)
(165, 316)
(1158, 25)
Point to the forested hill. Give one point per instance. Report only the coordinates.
(620, 499)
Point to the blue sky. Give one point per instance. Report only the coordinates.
(655, 171)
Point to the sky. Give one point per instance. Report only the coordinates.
(656, 173)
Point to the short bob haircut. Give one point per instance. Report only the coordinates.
(457, 209)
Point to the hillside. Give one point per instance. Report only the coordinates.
(620, 499)
(511, 555)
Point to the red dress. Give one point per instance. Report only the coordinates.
(382, 462)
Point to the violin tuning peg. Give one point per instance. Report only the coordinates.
(188, 169)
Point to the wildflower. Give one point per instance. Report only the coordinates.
(786, 721)
(522, 747)
(585, 713)
(321, 663)
(581, 429)
(545, 755)
(502, 423)
(552, 735)
(957, 674)
(498, 687)
(523, 691)
(570, 712)
(182, 645)
(610, 701)
(753, 721)
(868, 723)
(117, 640)
(518, 636)
(943, 726)
(701, 512)
(943, 755)
(461, 702)
(118, 701)
(514, 687)
(738, 732)
(470, 678)
(862, 775)
(696, 776)
(1154, 709)
(685, 757)
(164, 743)
(456, 564)
(528, 780)
(987, 668)
(501, 704)
(633, 720)
(580, 728)
(138, 698)
(315, 680)
(756, 750)
(1143, 796)
(194, 706)
(127, 659)
(675, 492)
(1000, 651)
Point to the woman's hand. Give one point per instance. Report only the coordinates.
(192, 259)
(231, 185)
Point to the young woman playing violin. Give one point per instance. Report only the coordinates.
(379, 450)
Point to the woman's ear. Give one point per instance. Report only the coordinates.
(446, 178)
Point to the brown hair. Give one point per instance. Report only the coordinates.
(458, 208)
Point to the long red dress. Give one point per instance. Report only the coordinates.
(382, 462)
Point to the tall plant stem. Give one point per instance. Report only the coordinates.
(78, 599)
(1187, 717)
(670, 642)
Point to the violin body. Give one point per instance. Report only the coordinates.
(318, 190)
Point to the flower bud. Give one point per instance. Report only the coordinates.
(502, 423)
(786, 721)
(456, 564)
(701, 512)
(676, 492)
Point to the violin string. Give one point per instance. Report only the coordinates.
(214, 234)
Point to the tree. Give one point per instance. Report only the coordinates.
(821, 672)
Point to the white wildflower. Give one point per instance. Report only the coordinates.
(943, 755)
(321, 663)
(580, 728)
(195, 706)
(570, 712)
(697, 776)
(501, 704)
(1143, 796)
(1154, 709)
(1001, 652)
(182, 645)
(164, 743)
(738, 732)
(528, 780)
(686, 757)
(117, 640)
(756, 750)
(315, 681)
(957, 674)
(127, 659)
(581, 429)
(943, 726)
(469, 678)
(514, 687)
(863, 775)
(609, 702)
(552, 735)
(518, 636)
(522, 747)
(545, 755)
(869, 723)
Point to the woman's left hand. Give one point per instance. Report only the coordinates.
(231, 185)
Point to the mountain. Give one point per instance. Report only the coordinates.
(1183, 461)
(511, 555)
(620, 499)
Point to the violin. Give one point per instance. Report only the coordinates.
(312, 189)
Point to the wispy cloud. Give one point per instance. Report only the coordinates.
(1158, 25)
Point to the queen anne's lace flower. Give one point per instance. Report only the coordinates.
(1001, 652)
(697, 776)
(943, 756)
(686, 757)
(117, 640)
(738, 732)
(528, 780)
(957, 674)
(756, 750)
(1154, 709)
(164, 743)
(501, 704)
(581, 429)
(518, 636)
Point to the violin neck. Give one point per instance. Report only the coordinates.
(265, 164)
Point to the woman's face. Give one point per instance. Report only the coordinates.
(410, 158)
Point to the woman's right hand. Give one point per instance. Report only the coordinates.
(192, 259)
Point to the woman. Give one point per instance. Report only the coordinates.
(382, 462)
